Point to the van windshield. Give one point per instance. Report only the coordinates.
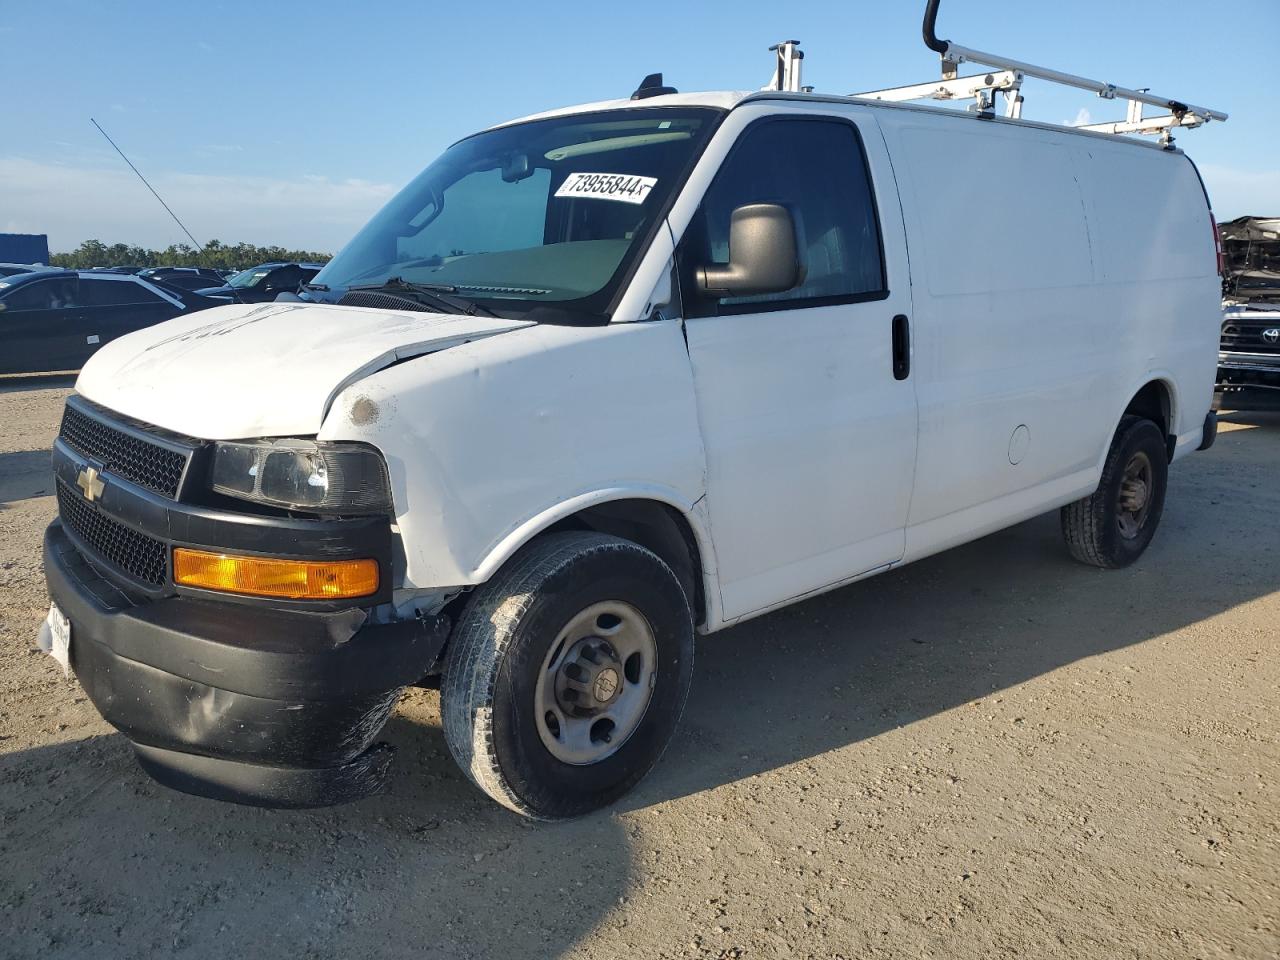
(546, 212)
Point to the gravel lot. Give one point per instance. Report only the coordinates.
(992, 752)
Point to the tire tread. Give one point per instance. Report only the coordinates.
(1084, 520)
(484, 634)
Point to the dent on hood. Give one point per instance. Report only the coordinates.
(275, 369)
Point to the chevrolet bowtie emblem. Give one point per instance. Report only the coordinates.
(91, 483)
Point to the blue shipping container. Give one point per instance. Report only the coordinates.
(24, 248)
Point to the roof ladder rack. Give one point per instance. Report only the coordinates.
(981, 87)
(1008, 80)
(786, 71)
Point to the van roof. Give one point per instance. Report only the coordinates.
(729, 99)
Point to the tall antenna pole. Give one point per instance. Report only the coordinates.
(198, 244)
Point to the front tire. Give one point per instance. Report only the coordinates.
(567, 674)
(1113, 526)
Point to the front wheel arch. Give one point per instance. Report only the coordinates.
(655, 517)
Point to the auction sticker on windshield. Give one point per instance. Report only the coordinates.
(607, 186)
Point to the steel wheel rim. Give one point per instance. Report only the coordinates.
(1133, 503)
(595, 683)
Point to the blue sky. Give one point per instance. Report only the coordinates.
(292, 123)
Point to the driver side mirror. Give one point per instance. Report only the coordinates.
(762, 254)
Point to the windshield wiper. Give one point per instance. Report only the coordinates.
(440, 295)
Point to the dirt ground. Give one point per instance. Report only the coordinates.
(994, 752)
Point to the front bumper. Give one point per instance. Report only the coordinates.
(1248, 381)
(239, 702)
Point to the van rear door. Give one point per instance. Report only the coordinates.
(808, 425)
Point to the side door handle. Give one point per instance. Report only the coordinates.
(901, 347)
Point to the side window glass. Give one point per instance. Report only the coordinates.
(286, 278)
(817, 170)
(114, 293)
(55, 294)
(31, 296)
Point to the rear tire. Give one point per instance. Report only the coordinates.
(1112, 527)
(567, 673)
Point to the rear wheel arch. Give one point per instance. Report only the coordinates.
(1156, 401)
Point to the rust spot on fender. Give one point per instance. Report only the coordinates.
(364, 412)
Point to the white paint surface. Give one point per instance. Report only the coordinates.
(1048, 276)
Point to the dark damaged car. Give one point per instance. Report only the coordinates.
(1249, 356)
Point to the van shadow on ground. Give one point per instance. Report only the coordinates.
(90, 850)
(956, 627)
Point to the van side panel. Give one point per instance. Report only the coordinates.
(1160, 299)
(1054, 274)
(1005, 358)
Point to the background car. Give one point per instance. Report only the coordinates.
(56, 319)
(1249, 355)
(263, 283)
(186, 278)
(12, 269)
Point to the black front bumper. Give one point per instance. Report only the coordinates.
(237, 702)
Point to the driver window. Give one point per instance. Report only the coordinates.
(816, 169)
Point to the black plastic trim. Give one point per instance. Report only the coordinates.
(262, 785)
(1210, 431)
(248, 705)
(255, 651)
(901, 337)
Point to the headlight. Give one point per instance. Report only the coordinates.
(302, 475)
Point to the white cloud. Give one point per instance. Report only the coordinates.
(1083, 116)
(1237, 193)
(75, 203)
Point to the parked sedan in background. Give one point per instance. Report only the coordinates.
(186, 278)
(263, 283)
(56, 319)
(12, 269)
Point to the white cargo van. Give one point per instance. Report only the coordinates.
(605, 378)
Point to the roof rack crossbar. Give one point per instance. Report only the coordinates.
(957, 54)
(1007, 79)
(980, 87)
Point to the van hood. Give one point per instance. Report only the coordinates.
(265, 370)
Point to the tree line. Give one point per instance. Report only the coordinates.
(218, 255)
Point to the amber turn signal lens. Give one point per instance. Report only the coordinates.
(275, 577)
